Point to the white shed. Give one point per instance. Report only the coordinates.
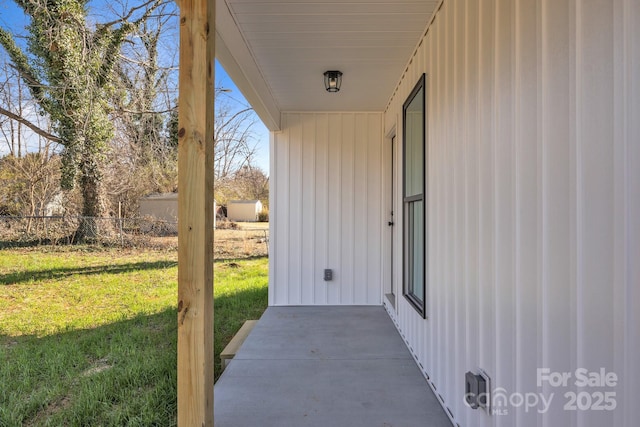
(244, 210)
(164, 207)
(160, 206)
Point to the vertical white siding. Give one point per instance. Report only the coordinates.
(627, 232)
(326, 209)
(533, 171)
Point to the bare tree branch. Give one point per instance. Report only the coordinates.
(130, 14)
(124, 110)
(30, 125)
(31, 81)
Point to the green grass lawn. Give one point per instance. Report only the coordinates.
(88, 336)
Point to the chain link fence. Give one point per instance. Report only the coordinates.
(232, 242)
(68, 229)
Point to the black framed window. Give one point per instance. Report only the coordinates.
(414, 200)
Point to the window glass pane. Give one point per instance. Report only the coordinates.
(414, 128)
(414, 125)
(416, 250)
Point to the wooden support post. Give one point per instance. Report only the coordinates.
(195, 213)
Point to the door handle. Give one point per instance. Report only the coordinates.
(391, 223)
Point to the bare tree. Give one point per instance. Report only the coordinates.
(145, 75)
(125, 127)
(143, 154)
(235, 144)
(146, 119)
(29, 183)
(248, 183)
(68, 67)
(17, 111)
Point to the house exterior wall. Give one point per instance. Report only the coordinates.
(325, 209)
(533, 219)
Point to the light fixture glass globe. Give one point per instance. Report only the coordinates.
(332, 80)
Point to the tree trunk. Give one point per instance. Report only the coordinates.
(32, 206)
(94, 223)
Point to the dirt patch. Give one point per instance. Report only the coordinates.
(249, 240)
(240, 243)
(10, 344)
(50, 410)
(228, 244)
(98, 366)
(253, 225)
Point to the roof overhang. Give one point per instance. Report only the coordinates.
(276, 51)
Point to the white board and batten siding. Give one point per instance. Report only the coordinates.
(326, 209)
(533, 177)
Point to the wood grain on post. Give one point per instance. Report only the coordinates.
(195, 213)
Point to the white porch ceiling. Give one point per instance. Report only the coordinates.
(277, 50)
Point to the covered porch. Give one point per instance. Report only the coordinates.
(325, 366)
(520, 231)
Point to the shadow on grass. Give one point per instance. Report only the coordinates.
(57, 273)
(11, 244)
(123, 373)
(240, 258)
(230, 313)
(69, 240)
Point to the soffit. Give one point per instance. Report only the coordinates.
(289, 44)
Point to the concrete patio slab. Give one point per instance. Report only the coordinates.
(325, 366)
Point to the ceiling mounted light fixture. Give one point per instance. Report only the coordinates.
(332, 80)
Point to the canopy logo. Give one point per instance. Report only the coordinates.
(589, 391)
